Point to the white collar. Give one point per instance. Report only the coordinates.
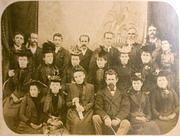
(84, 51)
(33, 49)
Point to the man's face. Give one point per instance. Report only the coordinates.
(101, 62)
(57, 41)
(55, 87)
(111, 79)
(131, 35)
(109, 39)
(145, 57)
(79, 77)
(75, 60)
(48, 58)
(124, 58)
(34, 91)
(18, 40)
(162, 82)
(137, 84)
(152, 31)
(34, 39)
(23, 61)
(165, 45)
(84, 41)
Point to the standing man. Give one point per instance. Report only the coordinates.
(112, 52)
(62, 56)
(86, 52)
(111, 108)
(153, 41)
(34, 51)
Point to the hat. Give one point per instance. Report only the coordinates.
(102, 52)
(148, 47)
(164, 73)
(35, 82)
(75, 51)
(135, 78)
(54, 78)
(23, 53)
(48, 47)
(78, 68)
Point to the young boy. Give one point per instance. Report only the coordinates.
(80, 101)
(30, 113)
(96, 74)
(111, 108)
(140, 111)
(165, 104)
(54, 107)
(75, 60)
(47, 68)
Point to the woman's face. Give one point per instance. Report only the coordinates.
(162, 82)
(55, 87)
(79, 77)
(34, 91)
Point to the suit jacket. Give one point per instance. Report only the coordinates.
(35, 58)
(116, 106)
(85, 59)
(62, 58)
(84, 92)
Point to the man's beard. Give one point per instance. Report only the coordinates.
(34, 44)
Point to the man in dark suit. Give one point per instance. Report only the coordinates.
(86, 54)
(35, 51)
(111, 108)
(112, 52)
(62, 56)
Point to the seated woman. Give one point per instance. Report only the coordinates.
(140, 111)
(165, 104)
(30, 113)
(80, 101)
(54, 107)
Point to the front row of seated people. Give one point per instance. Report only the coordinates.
(76, 109)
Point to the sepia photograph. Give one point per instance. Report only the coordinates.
(89, 67)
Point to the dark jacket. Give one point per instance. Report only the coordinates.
(85, 93)
(62, 58)
(116, 106)
(85, 59)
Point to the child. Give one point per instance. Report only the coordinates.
(111, 108)
(140, 111)
(54, 107)
(75, 60)
(80, 101)
(30, 113)
(96, 74)
(165, 104)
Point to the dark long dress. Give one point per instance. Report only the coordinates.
(140, 107)
(165, 104)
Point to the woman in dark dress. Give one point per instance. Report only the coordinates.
(165, 104)
(31, 117)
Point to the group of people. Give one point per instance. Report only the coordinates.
(125, 88)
